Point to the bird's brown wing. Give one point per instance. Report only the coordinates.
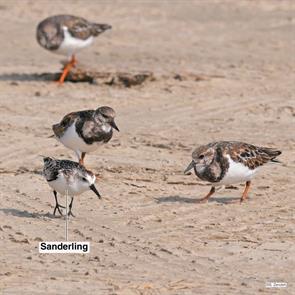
(82, 29)
(252, 156)
(79, 27)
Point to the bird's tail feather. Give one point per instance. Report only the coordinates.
(272, 153)
(100, 28)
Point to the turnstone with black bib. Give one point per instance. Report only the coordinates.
(229, 162)
(84, 131)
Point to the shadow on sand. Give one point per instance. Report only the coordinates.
(77, 75)
(15, 77)
(179, 199)
(25, 214)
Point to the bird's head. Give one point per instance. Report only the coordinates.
(87, 181)
(107, 115)
(202, 157)
(49, 35)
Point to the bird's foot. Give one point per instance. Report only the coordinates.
(70, 213)
(57, 207)
(242, 200)
(202, 201)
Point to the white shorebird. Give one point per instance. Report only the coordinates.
(67, 177)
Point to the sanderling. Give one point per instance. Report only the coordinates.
(229, 162)
(66, 35)
(84, 131)
(67, 177)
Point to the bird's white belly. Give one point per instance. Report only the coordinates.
(64, 186)
(71, 45)
(237, 173)
(73, 141)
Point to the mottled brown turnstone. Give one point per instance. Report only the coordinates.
(229, 162)
(84, 131)
(68, 177)
(66, 35)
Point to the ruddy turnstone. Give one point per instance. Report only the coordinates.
(68, 177)
(229, 162)
(84, 131)
(66, 35)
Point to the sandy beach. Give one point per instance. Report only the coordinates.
(222, 70)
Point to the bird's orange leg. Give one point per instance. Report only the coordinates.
(81, 160)
(67, 68)
(245, 193)
(205, 199)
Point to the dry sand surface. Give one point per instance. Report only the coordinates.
(147, 234)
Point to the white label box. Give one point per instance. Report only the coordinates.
(64, 247)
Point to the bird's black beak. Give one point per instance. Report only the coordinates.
(93, 188)
(189, 167)
(113, 124)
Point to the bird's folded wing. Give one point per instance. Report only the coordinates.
(80, 28)
(252, 156)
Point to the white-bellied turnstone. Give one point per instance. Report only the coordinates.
(84, 131)
(68, 177)
(229, 162)
(66, 35)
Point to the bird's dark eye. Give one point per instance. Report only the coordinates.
(84, 179)
(201, 157)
